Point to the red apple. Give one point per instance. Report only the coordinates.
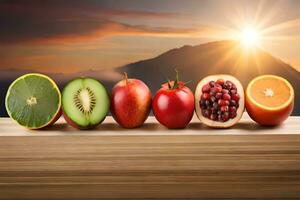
(130, 102)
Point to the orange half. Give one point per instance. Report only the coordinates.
(269, 99)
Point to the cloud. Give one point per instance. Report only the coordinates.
(61, 9)
(51, 22)
(140, 14)
(111, 28)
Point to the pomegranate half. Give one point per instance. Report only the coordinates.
(219, 101)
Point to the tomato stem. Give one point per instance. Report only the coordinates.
(176, 82)
(169, 84)
(185, 83)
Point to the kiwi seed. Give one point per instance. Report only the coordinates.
(85, 100)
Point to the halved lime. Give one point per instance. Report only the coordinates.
(33, 100)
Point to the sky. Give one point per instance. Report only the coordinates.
(68, 36)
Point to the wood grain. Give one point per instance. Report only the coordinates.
(246, 162)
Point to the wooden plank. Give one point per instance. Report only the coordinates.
(152, 127)
(246, 162)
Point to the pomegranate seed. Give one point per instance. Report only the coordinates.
(213, 116)
(225, 116)
(227, 102)
(223, 102)
(224, 91)
(205, 96)
(220, 117)
(233, 91)
(226, 96)
(219, 95)
(213, 99)
(218, 89)
(202, 102)
(232, 109)
(212, 83)
(206, 113)
(206, 88)
(232, 102)
(229, 83)
(213, 91)
(224, 108)
(213, 111)
(232, 115)
(203, 106)
(220, 81)
(236, 97)
(207, 103)
(215, 105)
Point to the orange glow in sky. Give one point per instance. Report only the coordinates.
(105, 34)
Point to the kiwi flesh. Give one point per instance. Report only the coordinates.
(85, 100)
(85, 103)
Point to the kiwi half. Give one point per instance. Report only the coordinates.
(85, 103)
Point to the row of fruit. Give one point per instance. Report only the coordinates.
(34, 101)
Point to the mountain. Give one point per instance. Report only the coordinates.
(192, 62)
(222, 57)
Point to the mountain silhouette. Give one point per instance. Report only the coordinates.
(222, 57)
(193, 64)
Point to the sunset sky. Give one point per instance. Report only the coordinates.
(67, 36)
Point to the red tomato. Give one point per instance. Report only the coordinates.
(173, 105)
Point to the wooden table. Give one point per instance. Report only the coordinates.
(245, 162)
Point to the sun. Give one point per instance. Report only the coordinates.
(249, 37)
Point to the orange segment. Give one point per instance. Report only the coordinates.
(270, 92)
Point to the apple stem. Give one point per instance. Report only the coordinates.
(126, 77)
